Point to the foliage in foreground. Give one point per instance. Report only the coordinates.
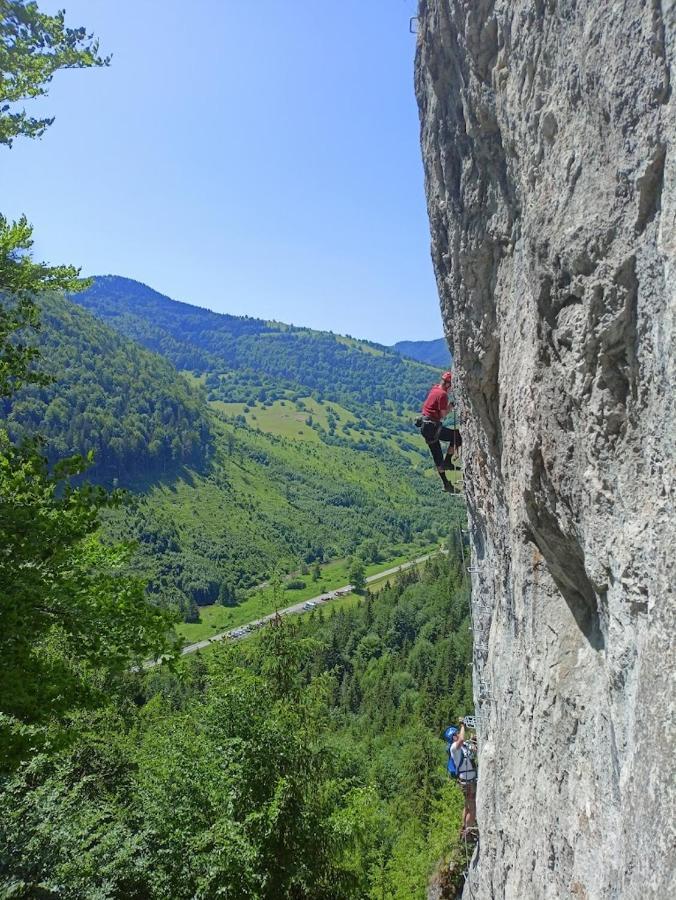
(306, 764)
(33, 47)
(69, 620)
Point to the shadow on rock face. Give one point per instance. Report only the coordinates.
(563, 555)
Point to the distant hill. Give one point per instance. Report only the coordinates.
(435, 353)
(131, 407)
(248, 355)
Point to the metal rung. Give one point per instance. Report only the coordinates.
(472, 569)
(476, 721)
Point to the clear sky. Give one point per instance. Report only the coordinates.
(258, 158)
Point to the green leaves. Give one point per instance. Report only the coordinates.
(239, 774)
(33, 46)
(69, 618)
(70, 621)
(20, 280)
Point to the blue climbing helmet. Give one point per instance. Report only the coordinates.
(450, 733)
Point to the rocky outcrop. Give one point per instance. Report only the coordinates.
(549, 144)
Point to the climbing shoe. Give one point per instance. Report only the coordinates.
(448, 487)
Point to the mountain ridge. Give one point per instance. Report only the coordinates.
(434, 353)
(195, 338)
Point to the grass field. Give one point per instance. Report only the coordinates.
(217, 618)
(283, 418)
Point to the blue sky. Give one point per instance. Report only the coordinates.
(256, 158)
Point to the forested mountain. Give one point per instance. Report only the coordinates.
(435, 353)
(304, 763)
(224, 492)
(108, 395)
(251, 355)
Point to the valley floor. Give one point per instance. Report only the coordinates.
(265, 600)
(243, 626)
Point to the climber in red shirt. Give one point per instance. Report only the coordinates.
(434, 411)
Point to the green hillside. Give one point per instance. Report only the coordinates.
(272, 502)
(250, 359)
(109, 395)
(315, 453)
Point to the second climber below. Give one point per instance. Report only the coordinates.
(435, 409)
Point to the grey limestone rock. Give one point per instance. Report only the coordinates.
(549, 142)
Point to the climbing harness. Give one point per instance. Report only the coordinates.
(431, 436)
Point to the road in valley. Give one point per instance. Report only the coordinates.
(243, 631)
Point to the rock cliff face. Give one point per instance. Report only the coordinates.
(549, 144)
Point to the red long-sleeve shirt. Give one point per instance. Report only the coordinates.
(436, 405)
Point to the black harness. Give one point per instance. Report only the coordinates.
(429, 428)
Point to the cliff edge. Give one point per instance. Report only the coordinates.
(549, 143)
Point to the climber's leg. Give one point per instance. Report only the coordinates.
(469, 817)
(438, 457)
(454, 438)
(430, 431)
